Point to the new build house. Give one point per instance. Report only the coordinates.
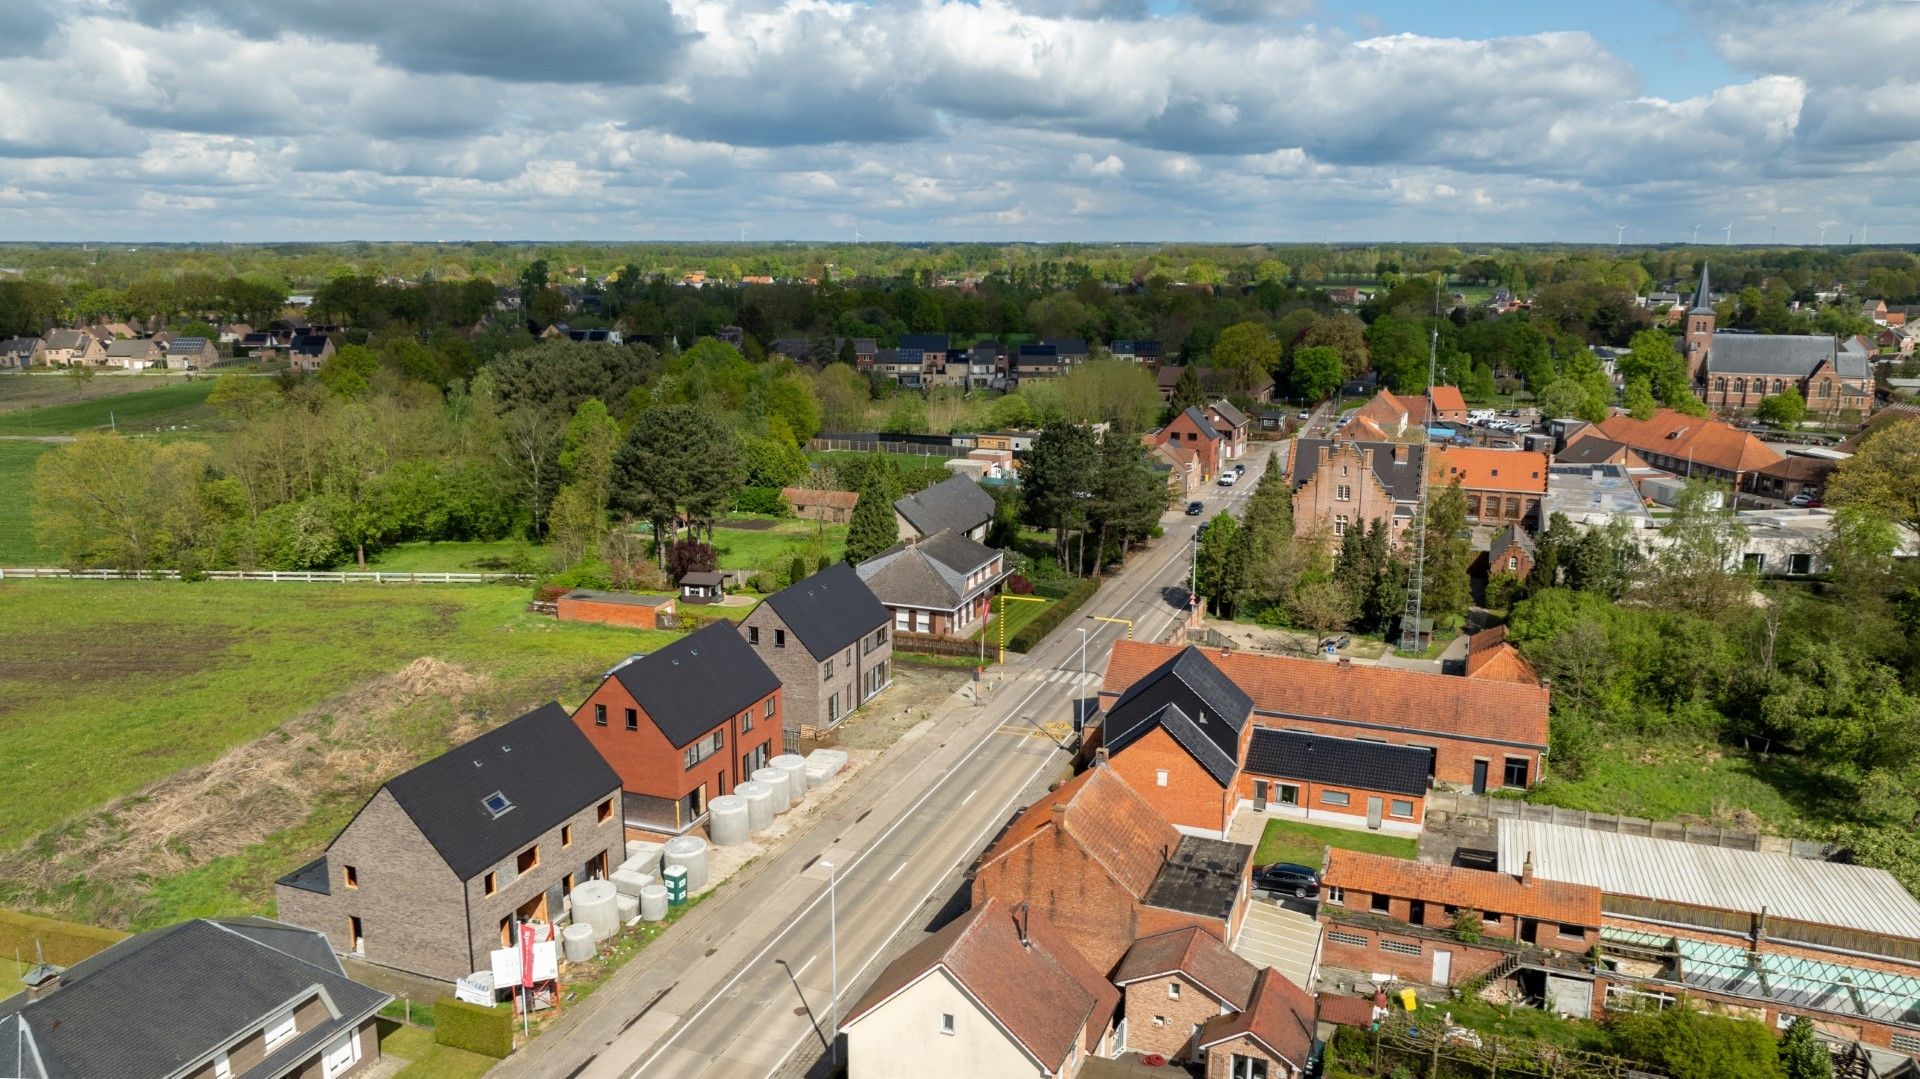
(829, 641)
(434, 871)
(684, 725)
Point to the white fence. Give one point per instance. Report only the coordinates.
(277, 576)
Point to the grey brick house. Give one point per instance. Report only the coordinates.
(826, 638)
(208, 998)
(958, 504)
(431, 874)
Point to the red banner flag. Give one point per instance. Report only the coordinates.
(526, 955)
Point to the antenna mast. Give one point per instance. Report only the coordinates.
(1410, 617)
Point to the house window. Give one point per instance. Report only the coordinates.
(1335, 798)
(1399, 947)
(1173, 990)
(1516, 772)
(350, 876)
(902, 620)
(566, 835)
(779, 638)
(633, 719)
(599, 715)
(1343, 493)
(1402, 808)
(497, 804)
(491, 885)
(753, 634)
(222, 1067)
(826, 670)
(1160, 777)
(1490, 917)
(356, 940)
(1380, 904)
(833, 708)
(1245, 1067)
(1340, 525)
(528, 860)
(746, 721)
(605, 812)
(279, 1029)
(769, 711)
(1513, 563)
(1336, 894)
(1351, 940)
(946, 1022)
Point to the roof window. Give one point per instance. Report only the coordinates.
(497, 804)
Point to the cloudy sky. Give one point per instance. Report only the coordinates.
(958, 119)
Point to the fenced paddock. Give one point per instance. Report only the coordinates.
(39, 573)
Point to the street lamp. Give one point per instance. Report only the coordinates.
(833, 964)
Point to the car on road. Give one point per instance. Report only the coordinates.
(1196, 508)
(1228, 479)
(1286, 878)
(1305, 415)
(1804, 499)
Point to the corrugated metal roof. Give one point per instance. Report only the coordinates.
(1824, 893)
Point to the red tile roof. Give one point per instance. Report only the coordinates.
(1359, 693)
(1198, 955)
(1682, 437)
(1108, 819)
(1342, 1009)
(1457, 886)
(1280, 1017)
(1491, 470)
(1022, 972)
(798, 497)
(1446, 399)
(1490, 655)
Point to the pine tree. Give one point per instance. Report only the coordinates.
(873, 528)
(1802, 1056)
(1188, 392)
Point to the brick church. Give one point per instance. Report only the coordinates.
(1735, 371)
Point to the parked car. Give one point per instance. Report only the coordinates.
(1305, 416)
(1227, 479)
(1195, 509)
(1286, 878)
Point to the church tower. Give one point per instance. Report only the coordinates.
(1700, 329)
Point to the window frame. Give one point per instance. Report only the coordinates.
(526, 861)
(605, 812)
(599, 715)
(1336, 798)
(350, 877)
(285, 1024)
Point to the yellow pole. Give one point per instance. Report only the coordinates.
(1127, 622)
(1003, 598)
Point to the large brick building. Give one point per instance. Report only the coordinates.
(1174, 983)
(1501, 486)
(1194, 431)
(684, 725)
(1696, 448)
(435, 869)
(1736, 371)
(1348, 484)
(827, 639)
(1106, 868)
(1477, 733)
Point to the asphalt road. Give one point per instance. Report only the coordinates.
(893, 867)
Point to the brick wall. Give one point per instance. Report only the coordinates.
(804, 690)
(1151, 1000)
(1220, 1059)
(1494, 925)
(1191, 798)
(1317, 503)
(1338, 950)
(649, 764)
(1311, 799)
(633, 615)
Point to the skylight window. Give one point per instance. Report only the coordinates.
(496, 804)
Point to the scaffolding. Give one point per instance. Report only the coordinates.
(1416, 580)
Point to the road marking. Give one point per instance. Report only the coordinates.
(805, 965)
(969, 796)
(896, 872)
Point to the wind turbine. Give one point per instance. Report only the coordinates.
(1823, 235)
(1696, 234)
(1729, 231)
(1619, 233)
(1863, 234)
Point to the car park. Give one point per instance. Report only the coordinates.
(1286, 878)
(1195, 509)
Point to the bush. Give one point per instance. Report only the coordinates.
(797, 572)
(1019, 585)
(589, 572)
(762, 583)
(1050, 619)
(1467, 925)
(473, 1027)
(548, 593)
(762, 500)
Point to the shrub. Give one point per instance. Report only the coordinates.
(1467, 925)
(547, 593)
(473, 1027)
(797, 572)
(1019, 585)
(1050, 619)
(762, 583)
(762, 500)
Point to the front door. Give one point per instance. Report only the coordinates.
(1442, 968)
(1479, 777)
(1259, 795)
(1373, 812)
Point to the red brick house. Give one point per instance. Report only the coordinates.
(1502, 486)
(1387, 416)
(1177, 735)
(1695, 447)
(1193, 430)
(1232, 425)
(1107, 869)
(683, 726)
(833, 507)
(1510, 553)
(614, 608)
(1445, 405)
(1273, 1035)
(1314, 776)
(1174, 983)
(1392, 915)
(1347, 484)
(1479, 733)
(1491, 655)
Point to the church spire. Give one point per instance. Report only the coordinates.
(1703, 299)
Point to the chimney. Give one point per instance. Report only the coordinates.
(1526, 870)
(1100, 757)
(43, 978)
(1345, 662)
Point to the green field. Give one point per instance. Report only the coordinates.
(772, 548)
(1017, 613)
(119, 684)
(1668, 780)
(17, 546)
(428, 1059)
(1304, 844)
(174, 404)
(10, 971)
(486, 556)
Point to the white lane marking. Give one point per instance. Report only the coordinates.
(805, 965)
(896, 872)
(969, 796)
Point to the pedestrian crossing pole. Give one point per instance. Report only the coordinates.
(1003, 598)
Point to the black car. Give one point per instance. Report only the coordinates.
(1195, 509)
(1286, 878)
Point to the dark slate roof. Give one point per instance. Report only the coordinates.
(309, 344)
(1591, 450)
(925, 342)
(1344, 762)
(541, 762)
(629, 599)
(1512, 536)
(830, 610)
(1782, 355)
(187, 344)
(159, 1003)
(956, 552)
(1401, 478)
(1067, 346)
(312, 877)
(1703, 296)
(1229, 413)
(698, 682)
(1198, 706)
(1199, 418)
(1036, 356)
(958, 503)
(1202, 877)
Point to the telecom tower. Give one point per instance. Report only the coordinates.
(1410, 617)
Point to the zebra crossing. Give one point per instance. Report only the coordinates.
(1071, 679)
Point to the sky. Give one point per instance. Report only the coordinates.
(995, 120)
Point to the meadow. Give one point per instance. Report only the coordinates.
(157, 406)
(17, 545)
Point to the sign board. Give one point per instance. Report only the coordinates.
(508, 967)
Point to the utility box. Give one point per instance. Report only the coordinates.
(675, 878)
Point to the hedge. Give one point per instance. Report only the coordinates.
(473, 1027)
(63, 943)
(1050, 619)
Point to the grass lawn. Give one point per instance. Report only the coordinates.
(39, 389)
(1664, 780)
(172, 404)
(10, 971)
(770, 543)
(486, 556)
(1015, 612)
(119, 684)
(17, 546)
(428, 1059)
(1302, 844)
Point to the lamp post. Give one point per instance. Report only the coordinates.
(833, 963)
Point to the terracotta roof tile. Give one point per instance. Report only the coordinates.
(1343, 1009)
(1446, 398)
(1280, 1016)
(1490, 655)
(1282, 686)
(1457, 886)
(1704, 441)
(1108, 819)
(1203, 958)
(1491, 470)
(1041, 989)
